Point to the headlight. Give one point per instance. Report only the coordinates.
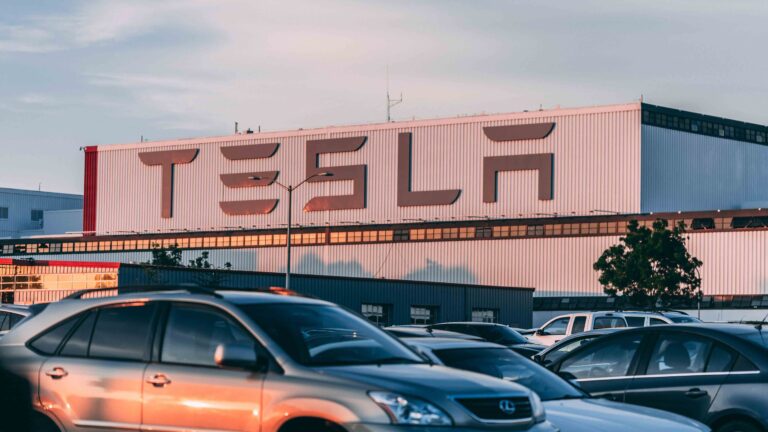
(537, 408)
(410, 410)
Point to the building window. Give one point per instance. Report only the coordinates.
(3, 212)
(423, 314)
(485, 315)
(378, 314)
(37, 215)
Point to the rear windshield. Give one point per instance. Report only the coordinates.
(608, 322)
(501, 335)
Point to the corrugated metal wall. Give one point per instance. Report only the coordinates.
(454, 302)
(20, 203)
(734, 262)
(596, 167)
(684, 171)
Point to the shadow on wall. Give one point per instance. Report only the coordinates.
(433, 271)
(314, 264)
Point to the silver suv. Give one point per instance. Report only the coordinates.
(244, 361)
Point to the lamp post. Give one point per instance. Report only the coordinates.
(290, 189)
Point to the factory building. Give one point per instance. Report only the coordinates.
(509, 200)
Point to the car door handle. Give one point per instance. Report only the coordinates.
(695, 393)
(57, 373)
(159, 380)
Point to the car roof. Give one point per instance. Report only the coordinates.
(475, 323)
(439, 343)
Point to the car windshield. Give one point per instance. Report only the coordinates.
(501, 335)
(507, 365)
(321, 335)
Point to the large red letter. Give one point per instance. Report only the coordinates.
(356, 173)
(167, 159)
(407, 197)
(542, 163)
(241, 180)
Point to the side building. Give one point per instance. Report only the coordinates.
(27, 213)
(509, 200)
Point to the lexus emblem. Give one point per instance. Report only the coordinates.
(507, 406)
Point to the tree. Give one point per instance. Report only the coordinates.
(213, 278)
(170, 257)
(650, 267)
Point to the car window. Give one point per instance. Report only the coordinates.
(122, 332)
(656, 321)
(48, 342)
(680, 319)
(721, 359)
(557, 327)
(743, 365)
(77, 345)
(15, 319)
(677, 353)
(194, 332)
(608, 322)
(609, 358)
(509, 366)
(579, 323)
(635, 321)
(567, 347)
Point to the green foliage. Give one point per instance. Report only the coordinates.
(650, 267)
(170, 257)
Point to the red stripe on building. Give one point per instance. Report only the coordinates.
(89, 189)
(45, 263)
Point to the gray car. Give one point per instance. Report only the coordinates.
(568, 408)
(12, 315)
(244, 361)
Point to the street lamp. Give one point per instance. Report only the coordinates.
(290, 190)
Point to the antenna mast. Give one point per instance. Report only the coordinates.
(391, 102)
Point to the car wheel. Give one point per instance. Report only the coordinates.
(739, 426)
(41, 423)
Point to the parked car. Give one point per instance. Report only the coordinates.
(496, 333)
(714, 373)
(553, 352)
(409, 331)
(11, 315)
(568, 407)
(561, 326)
(195, 359)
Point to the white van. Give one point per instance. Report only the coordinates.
(566, 325)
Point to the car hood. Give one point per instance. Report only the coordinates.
(588, 415)
(425, 380)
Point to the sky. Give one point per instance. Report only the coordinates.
(97, 72)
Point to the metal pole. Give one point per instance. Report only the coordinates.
(288, 240)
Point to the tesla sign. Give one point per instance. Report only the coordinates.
(167, 162)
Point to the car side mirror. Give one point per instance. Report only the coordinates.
(236, 356)
(541, 332)
(567, 376)
(538, 358)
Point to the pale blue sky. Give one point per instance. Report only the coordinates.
(79, 73)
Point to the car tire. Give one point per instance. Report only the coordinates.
(739, 426)
(41, 423)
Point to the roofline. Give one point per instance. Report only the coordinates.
(632, 106)
(329, 277)
(122, 235)
(39, 193)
